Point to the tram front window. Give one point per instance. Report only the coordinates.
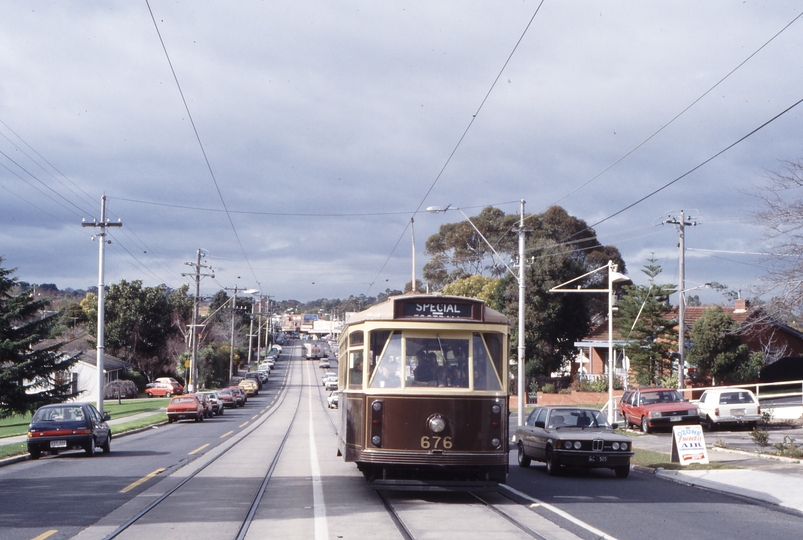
(436, 362)
(388, 366)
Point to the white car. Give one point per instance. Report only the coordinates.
(729, 406)
(332, 400)
(324, 364)
(330, 383)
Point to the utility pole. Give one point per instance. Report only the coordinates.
(233, 314)
(682, 224)
(192, 383)
(101, 286)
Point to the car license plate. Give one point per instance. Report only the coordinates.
(674, 418)
(600, 459)
(737, 412)
(58, 444)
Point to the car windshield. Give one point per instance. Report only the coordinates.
(664, 396)
(576, 418)
(183, 400)
(67, 413)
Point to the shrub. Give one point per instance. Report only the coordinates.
(120, 388)
(761, 437)
(548, 388)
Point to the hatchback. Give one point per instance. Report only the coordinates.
(66, 426)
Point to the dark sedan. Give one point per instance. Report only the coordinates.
(573, 437)
(67, 426)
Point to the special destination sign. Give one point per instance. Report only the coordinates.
(436, 309)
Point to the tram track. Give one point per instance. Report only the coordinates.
(174, 491)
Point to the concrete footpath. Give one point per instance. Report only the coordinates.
(769, 479)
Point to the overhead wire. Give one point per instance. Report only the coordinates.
(200, 143)
(461, 138)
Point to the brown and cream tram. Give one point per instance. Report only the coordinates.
(423, 391)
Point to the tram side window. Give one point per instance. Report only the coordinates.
(485, 376)
(355, 369)
(388, 372)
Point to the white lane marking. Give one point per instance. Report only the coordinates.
(319, 506)
(561, 513)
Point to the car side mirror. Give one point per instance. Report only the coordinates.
(106, 416)
(615, 425)
(539, 424)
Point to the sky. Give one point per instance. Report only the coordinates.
(295, 141)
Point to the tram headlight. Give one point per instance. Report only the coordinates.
(496, 443)
(376, 439)
(377, 406)
(437, 424)
(495, 408)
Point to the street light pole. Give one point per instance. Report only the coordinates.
(613, 277)
(520, 278)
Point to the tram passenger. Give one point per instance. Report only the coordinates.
(441, 377)
(455, 379)
(387, 376)
(425, 372)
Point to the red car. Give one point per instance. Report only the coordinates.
(187, 407)
(240, 397)
(227, 398)
(651, 408)
(160, 389)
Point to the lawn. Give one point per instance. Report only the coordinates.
(18, 425)
(648, 458)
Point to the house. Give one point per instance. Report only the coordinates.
(759, 331)
(84, 373)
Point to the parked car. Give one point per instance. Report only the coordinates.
(227, 398)
(650, 408)
(250, 386)
(328, 375)
(324, 364)
(66, 426)
(160, 389)
(573, 437)
(187, 407)
(729, 406)
(215, 401)
(264, 376)
(254, 376)
(330, 383)
(178, 388)
(239, 394)
(332, 400)
(207, 405)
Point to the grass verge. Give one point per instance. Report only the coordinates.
(648, 458)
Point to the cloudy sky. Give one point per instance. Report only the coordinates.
(302, 136)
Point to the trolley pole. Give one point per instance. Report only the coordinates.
(101, 286)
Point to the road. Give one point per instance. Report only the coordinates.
(310, 493)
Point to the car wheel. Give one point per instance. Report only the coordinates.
(751, 426)
(622, 472)
(90, 447)
(524, 461)
(167, 394)
(35, 454)
(107, 445)
(150, 394)
(645, 425)
(552, 466)
(169, 420)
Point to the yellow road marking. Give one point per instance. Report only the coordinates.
(198, 449)
(243, 424)
(254, 417)
(226, 434)
(142, 480)
(46, 534)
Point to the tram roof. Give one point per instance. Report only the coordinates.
(387, 311)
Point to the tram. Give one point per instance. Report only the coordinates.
(423, 391)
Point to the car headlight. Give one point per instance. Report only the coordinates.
(577, 445)
(623, 446)
(655, 415)
(615, 446)
(567, 445)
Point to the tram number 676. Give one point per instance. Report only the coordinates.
(435, 442)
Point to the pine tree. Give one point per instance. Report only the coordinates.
(643, 320)
(30, 376)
